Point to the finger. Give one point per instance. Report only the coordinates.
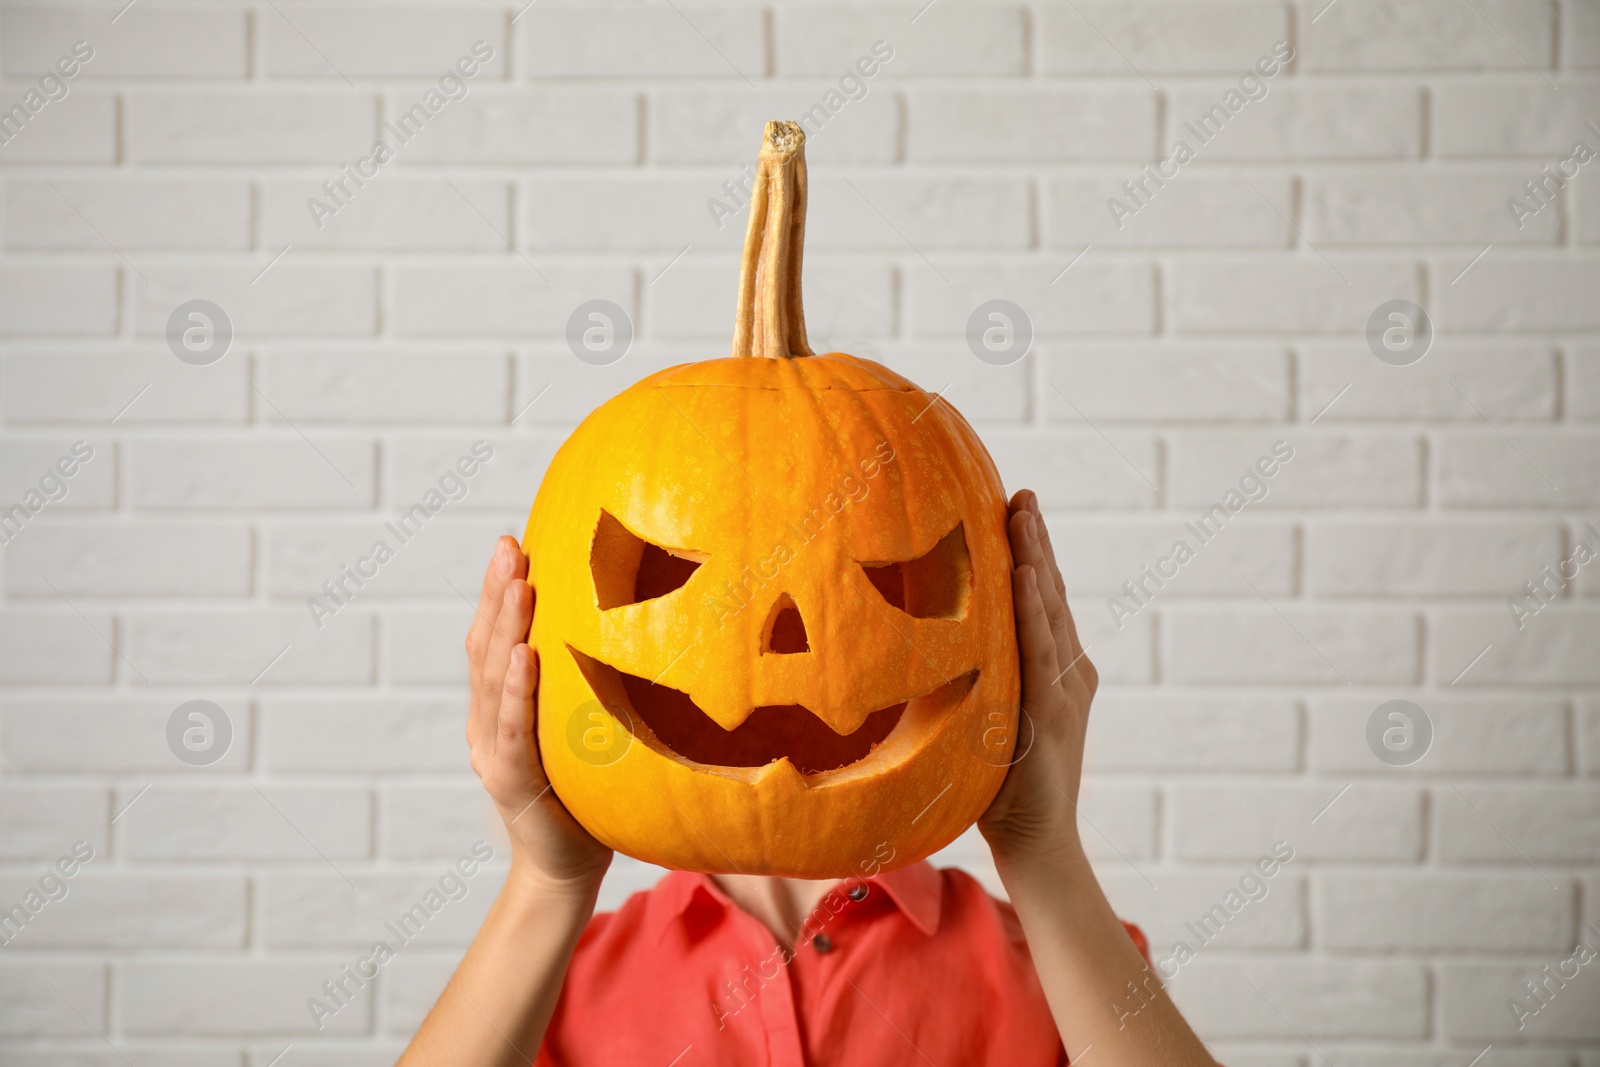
(1040, 665)
(516, 772)
(1029, 550)
(510, 629)
(1028, 500)
(503, 564)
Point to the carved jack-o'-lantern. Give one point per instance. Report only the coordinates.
(774, 599)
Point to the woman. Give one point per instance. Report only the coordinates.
(734, 969)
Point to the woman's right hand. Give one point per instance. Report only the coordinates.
(548, 847)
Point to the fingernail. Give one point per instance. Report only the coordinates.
(1033, 579)
(511, 594)
(1032, 526)
(502, 559)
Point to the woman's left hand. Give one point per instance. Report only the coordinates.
(1036, 810)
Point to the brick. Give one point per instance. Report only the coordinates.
(433, 822)
(1433, 35)
(403, 387)
(1050, 125)
(1306, 294)
(981, 392)
(1484, 646)
(504, 483)
(1523, 296)
(1518, 825)
(79, 128)
(145, 1056)
(1304, 644)
(1416, 1057)
(301, 299)
(127, 215)
(1589, 737)
(1181, 904)
(63, 301)
(132, 560)
(238, 997)
(509, 299)
(1303, 123)
(305, 41)
(1197, 383)
(1405, 558)
(1296, 1000)
(243, 647)
(1525, 118)
(1078, 469)
(1327, 469)
(318, 911)
(695, 299)
(1474, 1000)
(1493, 736)
(1097, 556)
(389, 212)
(1107, 298)
(276, 823)
(1580, 33)
(523, 126)
(1482, 468)
(58, 648)
(697, 42)
(555, 390)
(1102, 38)
(1393, 207)
(1140, 208)
(43, 824)
(110, 734)
(422, 645)
(242, 474)
(827, 41)
(35, 465)
(632, 212)
(147, 41)
(1583, 382)
(33, 1009)
(1367, 823)
(724, 125)
(1135, 732)
(57, 387)
(1438, 912)
(1125, 656)
(121, 911)
(1118, 821)
(372, 736)
(1459, 382)
(233, 127)
(1584, 202)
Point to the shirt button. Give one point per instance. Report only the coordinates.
(857, 892)
(822, 943)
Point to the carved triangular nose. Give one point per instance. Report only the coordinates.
(786, 630)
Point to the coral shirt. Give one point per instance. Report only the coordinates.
(912, 966)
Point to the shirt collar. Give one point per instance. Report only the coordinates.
(917, 890)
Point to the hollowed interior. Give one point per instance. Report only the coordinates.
(628, 569)
(769, 733)
(935, 585)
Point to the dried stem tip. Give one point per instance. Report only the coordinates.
(770, 320)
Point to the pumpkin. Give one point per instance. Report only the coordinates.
(773, 604)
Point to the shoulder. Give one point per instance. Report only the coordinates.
(967, 901)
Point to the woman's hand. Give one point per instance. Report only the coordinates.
(548, 847)
(1035, 812)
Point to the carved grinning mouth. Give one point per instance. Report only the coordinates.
(768, 734)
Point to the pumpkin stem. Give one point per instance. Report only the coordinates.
(770, 321)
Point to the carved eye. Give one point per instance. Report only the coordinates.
(628, 569)
(936, 585)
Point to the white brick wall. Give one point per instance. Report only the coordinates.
(1228, 313)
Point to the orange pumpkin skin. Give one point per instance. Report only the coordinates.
(773, 609)
(738, 461)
